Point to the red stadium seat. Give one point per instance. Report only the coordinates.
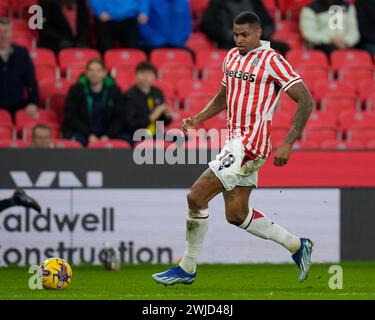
(19, 6)
(110, 144)
(216, 122)
(13, 144)
(43, 57)
(310, 75)
(195, 102)
(210, 58)
(352, 57)
(198, 6)
(356, 74)
(76, 57)
(363, 135)
(44, 73)
(187, 87)
(352, 119)
(342, 145)
(174, 73)
(319, 135)
(294, 40)
(287, 26)
(199, 41)
(371, 145)
(282, 119)
(161, 57)
(125, 77)
(66, 144)
(24, 40)
(366, 88)
(336, 104)
(278, 136)
(166, 87)
(307, 58)
(22, 119)
(321, 120)
(5, 118)
(291, 8)
(213, 73)
(56, 103)
(324, 88)
(370, 103)
(124, 58)
(303, 145)
(287, 105)
(6, 132)
(50, 87)
(74, 72)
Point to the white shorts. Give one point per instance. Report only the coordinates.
(227, 166)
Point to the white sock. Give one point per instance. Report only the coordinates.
(196, 228)
(259, 225)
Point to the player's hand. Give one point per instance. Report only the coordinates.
(282, 155)
(187, 124)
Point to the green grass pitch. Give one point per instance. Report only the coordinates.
(215, 281)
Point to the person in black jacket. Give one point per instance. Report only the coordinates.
(66, 24)
(217, 22)
(93, 107)
(17, 74)
(145, 103)
(366, 23)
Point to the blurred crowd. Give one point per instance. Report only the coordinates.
(97, 107)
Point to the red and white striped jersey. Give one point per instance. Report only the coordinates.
(254, 82)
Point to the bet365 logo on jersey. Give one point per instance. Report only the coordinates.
(246, 76)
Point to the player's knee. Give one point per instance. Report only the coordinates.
(236, 216)
(196, 201)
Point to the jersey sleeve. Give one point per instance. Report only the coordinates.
(282, 72)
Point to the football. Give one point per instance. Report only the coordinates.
(55, 273)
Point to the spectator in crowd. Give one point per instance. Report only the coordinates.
(168, 23)
(366, 22)
(93, 109)
(217, 22)
(118, 19)
(145, 103)
(41, 137)
(66, 24)
(17, 74)
(319, 29)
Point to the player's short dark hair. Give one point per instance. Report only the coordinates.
(248, 17)
(145, 66)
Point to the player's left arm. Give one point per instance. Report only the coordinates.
(300, 94)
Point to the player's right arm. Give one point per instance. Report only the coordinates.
(215, 106)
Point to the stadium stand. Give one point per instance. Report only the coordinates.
(343, 85)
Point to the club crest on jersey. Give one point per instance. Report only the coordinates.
(255, 62)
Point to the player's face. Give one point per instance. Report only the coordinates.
(5, 36)
(95, 73)
(246, 37)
